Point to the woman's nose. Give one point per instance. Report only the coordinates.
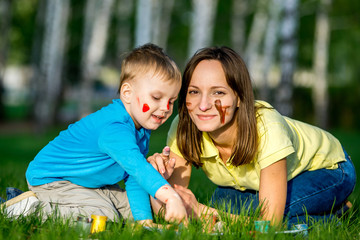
(205, 104)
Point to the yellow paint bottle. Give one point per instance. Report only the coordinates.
(98, 223)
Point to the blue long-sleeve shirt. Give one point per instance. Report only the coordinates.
(101, 149)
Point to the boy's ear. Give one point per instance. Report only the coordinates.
(126, 92)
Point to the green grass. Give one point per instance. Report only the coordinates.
(18, 149)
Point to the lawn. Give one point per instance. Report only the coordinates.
(18, 148)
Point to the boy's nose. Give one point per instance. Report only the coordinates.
(165, 106)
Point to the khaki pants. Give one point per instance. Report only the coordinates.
(71, 200)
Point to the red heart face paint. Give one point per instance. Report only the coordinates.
(168, 105)
(221, 110)
(145, 108)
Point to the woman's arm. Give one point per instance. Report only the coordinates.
(182, 171)
(272, 191)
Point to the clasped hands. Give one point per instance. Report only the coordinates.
(165, 166)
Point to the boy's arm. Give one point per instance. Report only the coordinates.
(126, 152)
(138, 200)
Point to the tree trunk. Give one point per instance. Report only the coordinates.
(162, 14)
(271, 38)
(143, 22)
(288, 54)
(49, 79)
(256, 36)
(5, 14)
(202, 24)
(238, 27)
(97, 17)
(124, 10)
(36, 51)
(321, 48)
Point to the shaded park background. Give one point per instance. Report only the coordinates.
(60, 59)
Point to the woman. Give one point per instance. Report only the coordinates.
(254, 155)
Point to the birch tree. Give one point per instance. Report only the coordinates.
(271, 39)
(49, 80)
(153, 20)
(288, 54)
(256, 35)
(5, 16)
(238, 27)
(202, 24)
(162, 14)
(124, 10)
(321, 46)
(36, 50)
(97, 17)
(143, 22)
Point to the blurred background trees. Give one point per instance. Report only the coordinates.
(60, 59)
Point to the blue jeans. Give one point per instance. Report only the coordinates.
(317, 194)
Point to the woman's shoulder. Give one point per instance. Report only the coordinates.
(267, 112)
(268, 117)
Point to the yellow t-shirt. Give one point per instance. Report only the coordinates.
(305, 147)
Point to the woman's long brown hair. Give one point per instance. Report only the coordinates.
(189, 138)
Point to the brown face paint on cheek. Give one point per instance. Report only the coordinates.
(221, 110)
(145, 108)
(188, 104)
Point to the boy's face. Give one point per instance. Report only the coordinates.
(151, 100)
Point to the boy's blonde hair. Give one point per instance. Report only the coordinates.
(148, 58)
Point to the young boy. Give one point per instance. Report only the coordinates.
(77, 173)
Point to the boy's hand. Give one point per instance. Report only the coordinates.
(175, 210)
(189, 200)
(162, 163)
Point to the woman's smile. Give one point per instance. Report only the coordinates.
(206, 117)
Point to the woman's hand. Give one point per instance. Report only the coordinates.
(163, 163)
(192, 206)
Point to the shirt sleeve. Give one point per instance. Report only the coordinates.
(275, 139)
(138, 199)
(118, 140)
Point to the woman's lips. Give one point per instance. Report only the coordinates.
(206, 117)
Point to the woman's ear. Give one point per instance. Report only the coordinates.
(238, 102)
(126, 92)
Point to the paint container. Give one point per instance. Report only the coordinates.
(98, 223)
(262, 226)
(83, 225)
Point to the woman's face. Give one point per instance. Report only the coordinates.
(210, 101)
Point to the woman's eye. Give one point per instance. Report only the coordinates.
(219, 93)
(193, 92)
(156, 98)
